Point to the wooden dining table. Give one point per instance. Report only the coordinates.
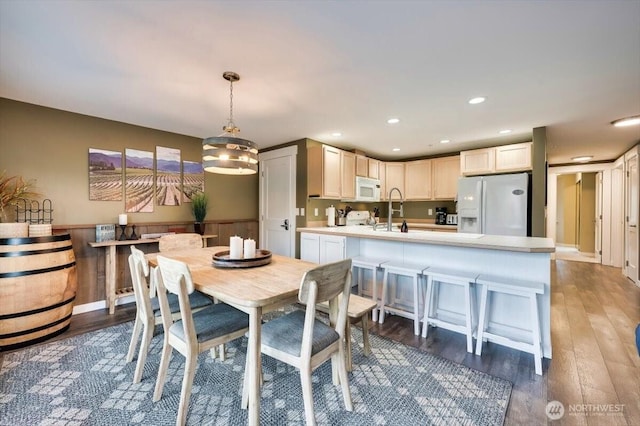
(254, 290)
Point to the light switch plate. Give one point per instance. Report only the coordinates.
(301, 211)
(430, 212)
(315, 211)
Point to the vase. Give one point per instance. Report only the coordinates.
(198, 227)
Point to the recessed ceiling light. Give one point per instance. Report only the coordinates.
(445, 141)
(393, 120)
(628, 121)
(478, 100)
(396, 149)
(582, 159)
(505, 131)
(336, 134)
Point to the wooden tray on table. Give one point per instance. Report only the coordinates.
(222, 260)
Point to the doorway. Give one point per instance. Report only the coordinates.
(577, 222)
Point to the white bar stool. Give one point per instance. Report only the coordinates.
(413, 271)
(437, 277)
(522, 288)
(361, 263)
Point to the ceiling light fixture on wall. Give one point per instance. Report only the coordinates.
(227, 154)
(628, 121)
(582, 159)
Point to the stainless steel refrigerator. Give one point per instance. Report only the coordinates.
(494, 205)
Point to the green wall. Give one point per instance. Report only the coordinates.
(52, 146)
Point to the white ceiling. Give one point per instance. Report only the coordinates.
(310, 68)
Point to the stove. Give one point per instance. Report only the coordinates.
(358, 217)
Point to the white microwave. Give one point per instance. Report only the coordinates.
(367, 189)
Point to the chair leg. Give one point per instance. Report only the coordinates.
(147, 336)
(347, 339)
(365, 335)
(162, 370)
(307, 394)
(344, 380)
(185, 393)
(135, 334)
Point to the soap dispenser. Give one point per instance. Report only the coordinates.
(404, 227)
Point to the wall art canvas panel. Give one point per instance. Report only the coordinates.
(192, 179)
(105, 175)
(138, 181)
(168, 189)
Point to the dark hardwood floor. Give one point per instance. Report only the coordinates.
(595, 367)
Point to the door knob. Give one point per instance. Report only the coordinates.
(285, 225)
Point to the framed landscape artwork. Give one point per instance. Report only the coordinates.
(105, 175)
(192, 179)
(138, 181)
(168, 192)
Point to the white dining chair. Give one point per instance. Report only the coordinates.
(303, 341)
(193, 333)
(148, 308)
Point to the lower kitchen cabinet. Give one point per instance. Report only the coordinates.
(319, 248)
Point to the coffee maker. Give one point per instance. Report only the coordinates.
(441, 215)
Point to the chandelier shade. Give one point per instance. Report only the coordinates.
(227, 154)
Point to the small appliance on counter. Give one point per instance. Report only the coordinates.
(452, 219)
(358, 217)
(441, 215)
(341, 219)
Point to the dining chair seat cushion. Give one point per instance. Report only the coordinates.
(285, 334)
(197, 300)
(212, 322)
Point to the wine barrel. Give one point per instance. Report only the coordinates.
(38, 283)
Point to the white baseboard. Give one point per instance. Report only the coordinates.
(101, 304)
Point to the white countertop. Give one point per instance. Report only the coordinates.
(492, 242)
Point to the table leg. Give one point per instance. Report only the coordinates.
(110, 278)
(255, 365)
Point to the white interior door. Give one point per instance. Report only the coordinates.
(631, 226)
(278, 200)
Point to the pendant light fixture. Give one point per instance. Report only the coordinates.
(228, 154)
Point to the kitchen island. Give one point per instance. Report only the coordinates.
(526, 258)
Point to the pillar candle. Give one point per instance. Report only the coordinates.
(235, 247)
(249, 249)
(122, 219)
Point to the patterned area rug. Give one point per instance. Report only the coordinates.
(84, 380)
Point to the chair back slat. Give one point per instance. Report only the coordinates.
(180, 242)
(175, 277)
(139, 268)
(330, 279)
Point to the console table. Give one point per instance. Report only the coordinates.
(111, 267)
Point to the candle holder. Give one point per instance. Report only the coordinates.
(133, 235)
(123, 236)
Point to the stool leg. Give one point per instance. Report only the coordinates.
(374, 295)
(416, 307)
(467, 301)
(482, 317)
(535, 329)
(383, 296)
(427, 307)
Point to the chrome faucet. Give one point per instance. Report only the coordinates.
(392, 210)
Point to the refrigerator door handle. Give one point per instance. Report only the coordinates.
(483, 202)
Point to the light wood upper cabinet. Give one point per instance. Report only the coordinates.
(513, 157)
(382, 175)
(394, 178)
(374, 168)
(324, 171)
(417, 180)
(362, 166)
(477, 161)
(445, 172)
(348, 175)
(506, 158)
